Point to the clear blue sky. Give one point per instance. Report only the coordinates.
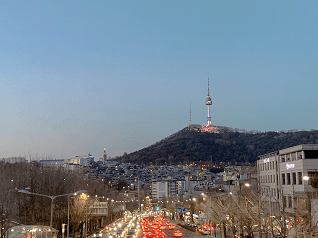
(78, 76)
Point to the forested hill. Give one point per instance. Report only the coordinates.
(189, 145)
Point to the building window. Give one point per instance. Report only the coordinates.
(284, 201)
(300, 178)
(294, 178)
(288, 178)
(290, 202)
(283, 179)
(302, 204)
(283, 159)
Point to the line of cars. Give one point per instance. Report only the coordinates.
(204, 229)
(156, 226)
(126, 227)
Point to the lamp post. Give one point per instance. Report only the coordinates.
(51, 197)
(138, 196)
(314, 186)
(247, 185)
(68, 211)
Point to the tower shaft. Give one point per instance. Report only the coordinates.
(209, 118)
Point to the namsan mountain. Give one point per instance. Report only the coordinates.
(221, 145)
(208, 143)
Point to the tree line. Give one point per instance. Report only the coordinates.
(47, 180)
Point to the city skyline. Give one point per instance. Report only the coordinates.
(77, 77)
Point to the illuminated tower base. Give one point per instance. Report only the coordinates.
(209, 121)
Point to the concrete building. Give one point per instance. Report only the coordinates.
(287, 178)
(99, 209)
(53, 162)
(83, 160)
(163, 188)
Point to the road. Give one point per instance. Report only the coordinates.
(122, 227)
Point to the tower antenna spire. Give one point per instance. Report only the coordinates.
(208, 86)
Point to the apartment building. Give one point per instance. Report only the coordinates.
(163, 188)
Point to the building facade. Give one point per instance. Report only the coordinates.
(163, 188)
(286, 178)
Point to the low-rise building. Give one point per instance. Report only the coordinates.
(282, 178)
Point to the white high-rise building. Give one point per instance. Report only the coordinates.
(163, 188)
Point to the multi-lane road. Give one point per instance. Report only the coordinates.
(146, 226)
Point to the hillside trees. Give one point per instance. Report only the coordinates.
(227, 146)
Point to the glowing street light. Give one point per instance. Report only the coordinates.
(52, 198)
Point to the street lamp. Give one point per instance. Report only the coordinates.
(51, 197)
(68, 210)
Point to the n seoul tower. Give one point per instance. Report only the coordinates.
(208, 102)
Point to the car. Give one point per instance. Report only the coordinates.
(205, 232)
(131, 233)
(172, 227)
(177, 233)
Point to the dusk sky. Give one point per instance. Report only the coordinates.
(78, 76)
